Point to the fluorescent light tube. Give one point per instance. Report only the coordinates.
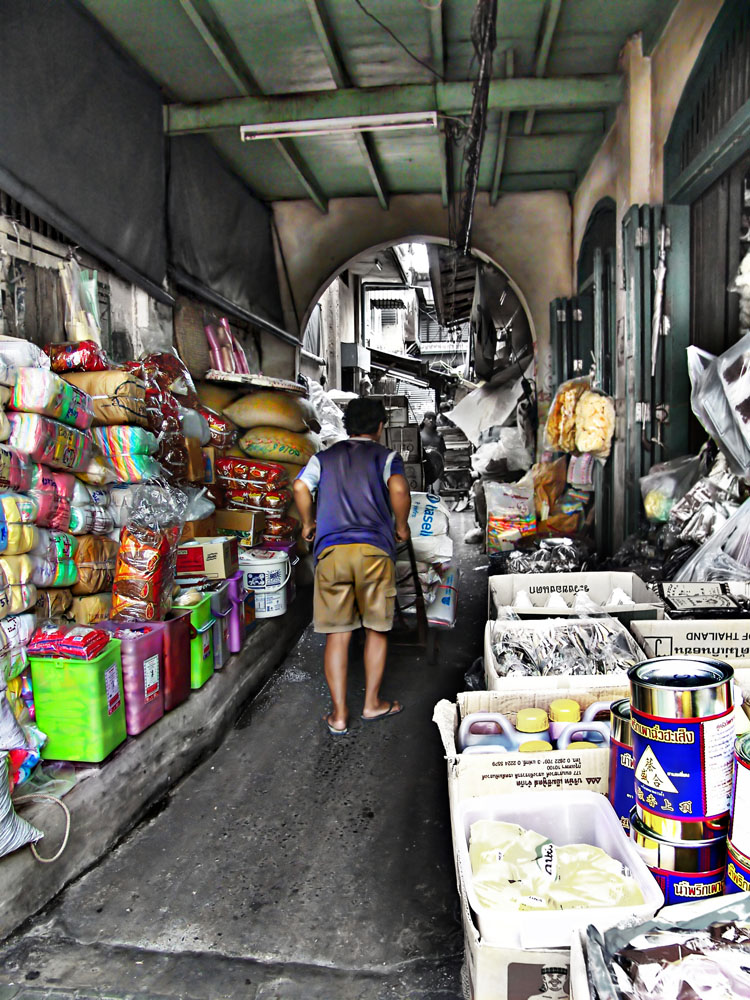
(337, 126)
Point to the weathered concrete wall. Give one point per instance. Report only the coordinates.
(629, 166)
(527, 235)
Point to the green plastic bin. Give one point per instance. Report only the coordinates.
(202, 654)
(201, 640)
(80, 705)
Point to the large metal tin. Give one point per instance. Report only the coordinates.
(739, 821)
(738, 872)
(684, 871)
(619, 715)
(682, 728)
(621, 792)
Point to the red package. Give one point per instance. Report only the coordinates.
(253, 498)
(170, 374)
(239, 472)
(280, 527)
(163, 416)
(224, 433)
(68, 641)
(85, 356)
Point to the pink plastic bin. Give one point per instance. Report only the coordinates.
(142, 672)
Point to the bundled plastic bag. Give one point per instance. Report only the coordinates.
(725, 555)
(511, 514)
(666, 483)
(81, 302)
(50, 442)
(720, 399)
(14, 831)
(560, 432)
(39, 391)
(144, 573)
(84, 356)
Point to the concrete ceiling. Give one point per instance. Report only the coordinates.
(224, 63)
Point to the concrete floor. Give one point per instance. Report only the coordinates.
(289, 864)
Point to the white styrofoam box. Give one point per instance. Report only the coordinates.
(565, 817)
(495, 681)
(505, 973)
(598, 586)
(471, 775)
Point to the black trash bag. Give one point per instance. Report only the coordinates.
(474, 676)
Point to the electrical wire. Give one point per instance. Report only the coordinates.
(35, 797)
(398, 41)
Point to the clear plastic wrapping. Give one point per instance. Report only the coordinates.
(144, 574)
(666, 483)
(563, 646)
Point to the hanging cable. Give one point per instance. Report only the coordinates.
(398, 41)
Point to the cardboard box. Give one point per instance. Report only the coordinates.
(203, 528)
(725, 639)
(212, 558)
(700, 600)
(413, 473)
(196, 472)
(473, 775)
(496, 682)
(504, 973)
(598, 586)
(247, 524)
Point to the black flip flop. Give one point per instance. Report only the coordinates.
(383, 715)
(332, 729)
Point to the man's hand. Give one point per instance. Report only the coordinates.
(403, 532)
(308, 530)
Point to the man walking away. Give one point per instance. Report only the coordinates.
(347, 498)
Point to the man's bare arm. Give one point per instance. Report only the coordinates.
(400, 494)
(306, 507)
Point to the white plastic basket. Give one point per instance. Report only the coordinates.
(566, 817)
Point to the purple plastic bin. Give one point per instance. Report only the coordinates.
(142, 672)
(237, 612)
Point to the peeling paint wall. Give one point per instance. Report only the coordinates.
(527, 235)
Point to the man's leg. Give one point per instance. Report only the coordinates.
(376, 650)
(336, 667)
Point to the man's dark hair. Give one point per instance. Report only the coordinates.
(364, 415)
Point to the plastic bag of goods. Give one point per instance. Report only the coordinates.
(17, 630)
(511, 514)
(429, 521)
(251, 498)
(118, 397)
(62, 641)
(43, 392)
(49, 442)
(238, 473)
(720, 399)
(443, 608)
(144, 573)
(15, 470)
(84, 356)
(20, 534)
(129, 451)
(271, 409)
(90, 609)
(163, 410)
(16, 353)
(223, 431)
(273, 444)
(666, 483)
(194, 425)
(560, 432)
(95, 560)
(595, 424)
(52, 603)
(15, 832)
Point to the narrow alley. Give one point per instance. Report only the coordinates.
(289, 863)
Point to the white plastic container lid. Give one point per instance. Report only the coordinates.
(566, 817)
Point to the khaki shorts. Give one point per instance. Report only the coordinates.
(354, 585)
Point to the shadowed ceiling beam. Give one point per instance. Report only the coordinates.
(225, 53)
(519, 94)
(340, 76)
(502, 139)
(542, 55)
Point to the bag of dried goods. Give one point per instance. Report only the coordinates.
(275, 444)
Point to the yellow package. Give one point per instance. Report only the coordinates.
(21, 537)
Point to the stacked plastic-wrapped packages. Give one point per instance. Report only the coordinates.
(279, 431)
